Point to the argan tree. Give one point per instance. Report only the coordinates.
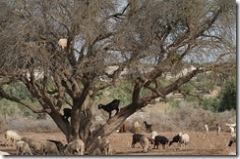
(139, 41)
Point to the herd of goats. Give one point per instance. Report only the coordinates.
(28, 146)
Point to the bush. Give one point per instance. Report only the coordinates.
(188, 116)
(228, 96)
(3, 124)
(20, 123)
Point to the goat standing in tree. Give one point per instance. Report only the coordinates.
(110, 107)
(67, 113)
(148, 126)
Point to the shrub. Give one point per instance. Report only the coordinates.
(3, 124)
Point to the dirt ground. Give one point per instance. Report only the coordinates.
(200, 143)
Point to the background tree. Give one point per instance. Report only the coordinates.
(146, 39)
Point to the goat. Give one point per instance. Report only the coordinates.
(175, 139)
(135, 139)
(11, 136)
(232, 127)
(148, 126)
(4, 153)
(104, 146)
(232, 153)
(59, 145)
(160, 140)
(136, 127)
(144, 141)
(63, 42)
(232, 139)
(183, 139)
(218, 129)
(206, 128)
(50, 148)
(23, 148)
(110, 107)
(153, 135)
(32, 144)
(75, 147)
(67, 112)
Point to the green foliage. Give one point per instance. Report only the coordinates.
(10, 108)
(173, 102)
(228, 96)
(210, 104)
(19, 90)
(204, 83)
(226, 100)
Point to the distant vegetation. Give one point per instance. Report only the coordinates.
(225, 100)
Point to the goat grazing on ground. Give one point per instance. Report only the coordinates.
(144, 141)
(114, 105)
(23, 148)
(148, 126)
(11, 136)
(183, 139)
(232, 139)
(50, 148)
(135, 139)
(104, 146)
(59, 145)
(160, 140)
(75, 147)
(32, 144)
(4, 153)
(174, 139)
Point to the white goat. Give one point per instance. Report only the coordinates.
(153, 135)
(232, 153)
(232, 127)
(136, 127)
(31, 142)
(75, 147)
(232, 139)
(183, 139)
(11, 137)
(23, 148)
(50, 148)
(4, 153)
(62, 42)
(218, 129)
(144, 143)
(231, 130)
(206, 128)
(104, 146)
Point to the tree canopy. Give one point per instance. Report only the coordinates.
(139, 41)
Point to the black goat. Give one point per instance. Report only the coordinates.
(59, 145)
(135, 139)
(160, 140)
(175, 139)
(113, 105)
(232, 139)
(148, 126)
(67, 112)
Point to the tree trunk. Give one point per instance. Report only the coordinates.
(64, 127)
(110, 126)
